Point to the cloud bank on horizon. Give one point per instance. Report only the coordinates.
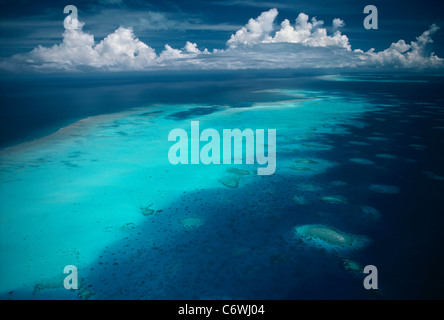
(258, 45)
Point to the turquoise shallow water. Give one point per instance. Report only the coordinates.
(101, 195)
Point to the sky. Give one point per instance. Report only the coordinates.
(116, 35)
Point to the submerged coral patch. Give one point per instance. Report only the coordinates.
(386, 156)
(381, 188)
(309, 187)
(306, 161)
(362, 161)
(352, 266)
(230, 181)
(52, 284)
(316, 146)
(334, 199)
(299, 199)
(433, 175)
(339, 183)
(147, 211)
(371, 213)
(191, 223)
(326, 237)
(417, 146)
(359, 143)
(238, 172)
(301, 169)
(377, 138)
(85, 293)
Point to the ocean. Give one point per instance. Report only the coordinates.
(86, 181)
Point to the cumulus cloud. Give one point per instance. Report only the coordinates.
(400, 54)
(261, 43)
(256, 31)
(337, 24)
(119, 50)
(311, 33)
(307, 32)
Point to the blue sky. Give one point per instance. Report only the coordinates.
(25, 25)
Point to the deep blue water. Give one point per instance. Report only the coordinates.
(408, 241)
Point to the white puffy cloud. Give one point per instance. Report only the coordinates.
(123, 48)
(255, 31)
(307, 32)
(175, 57)
(119, 50)
(401, 54)
(76, 49)
(311, 33)
(337, 24)
(169, 54)
(259, 44)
